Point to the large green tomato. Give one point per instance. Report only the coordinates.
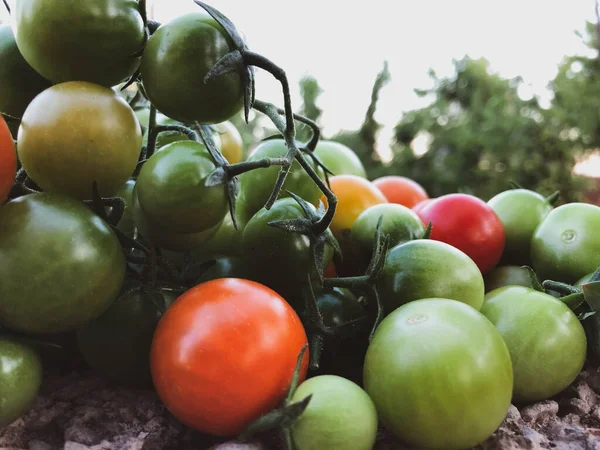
(546, 341)
(75, 133)
(425, 269)
(440, 374)
(177, 58)
(172, 193)
(566, 245)
(20, 379)
(256, 186)
(520, 211)
(339, 416)
(502, 276)
(117, 344)
(340, 159)
(164, 237)
(279, 259)
(73, 40)
(19, 83)
(60, 264)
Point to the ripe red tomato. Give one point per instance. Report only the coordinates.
(469, 224)
(401, 190)
(419, 206)
(8, 161)
(224, 353)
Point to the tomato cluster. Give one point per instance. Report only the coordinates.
(139, 229)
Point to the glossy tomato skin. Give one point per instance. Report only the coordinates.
(117, 343)
(75, 133)
(172, 193)
(232, 146)
(70, 40)
(52, 237)
(164, 237)
(20, 379)
(279, 259)
(339, 159)
(502, 276)
(401, 190)
(469, 224)
(19, 83)
(339, 416)
(445, 360)
(256, 186)
(178, 55)
(399, 223)
(8, 161)
(547, 343)
(424, 269)
(566, 245)
(419, 206)
(225, 353)
(520, 211)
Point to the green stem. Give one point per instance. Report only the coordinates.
(553, 198)
(152, 133)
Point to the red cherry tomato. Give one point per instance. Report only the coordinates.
(401, 190)
(419, 206)
(224, 354)
(469, 224)
(8, 161)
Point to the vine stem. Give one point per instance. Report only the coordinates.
(152, 133)
(6, 6)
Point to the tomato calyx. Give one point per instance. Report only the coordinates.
(283, 417)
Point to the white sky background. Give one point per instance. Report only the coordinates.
(344, 45)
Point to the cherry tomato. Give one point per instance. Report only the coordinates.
(520, 211)
(440, 375)
(75, 133)
(502, 276)
(425, 268)
(60, 264)
(20, 379)
(177, 58)
(401, 190)
(566, 245)
(321, 426)
(469, 224)
(340, 159)
(224, 353)
(419, 206)
(19, 83)
(8, 161)
(80, 41)
(546, 341)
(232, 146)
(172, 192)
(355, 195)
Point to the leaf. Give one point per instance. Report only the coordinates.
(533, 279)
(591, 291)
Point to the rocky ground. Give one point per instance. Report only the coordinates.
(79, 411)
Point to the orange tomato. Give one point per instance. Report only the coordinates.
(401, 190)
(232, 146)
(8, 161)
(224, 354)
(354, 194)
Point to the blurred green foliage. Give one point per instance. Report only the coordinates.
(480, 131)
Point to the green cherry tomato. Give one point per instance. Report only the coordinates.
(425, 269)
(70, 40)
(502, 276)
(339, 416)
(520, 211)
(117, 344)
(279, 259)
(256, 186)
(566, 245)
(60, 264)
(440, 375)
(172, 193)
(399, 222)
(126, 224)
(227, 241)
(546, 341)
(20, 379)
(164, 237)
(177, 58)
(340, 159)
(224, 267)
(19, 83)
(75, 133)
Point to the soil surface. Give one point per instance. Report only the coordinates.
(80, 411)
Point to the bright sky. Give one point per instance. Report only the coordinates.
(345, 46)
